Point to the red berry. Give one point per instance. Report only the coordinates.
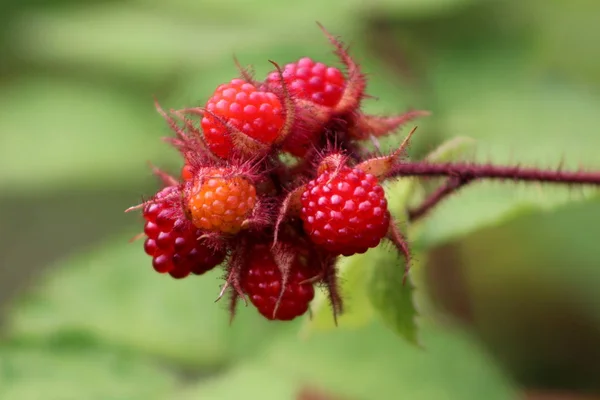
(257, 114)
(312, 81)
(186, 172)
(173, 242)
(345, 211)
(262, 280)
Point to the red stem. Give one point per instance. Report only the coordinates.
(461, 174)
(452, 185)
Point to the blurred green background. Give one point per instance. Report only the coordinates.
(512, 271)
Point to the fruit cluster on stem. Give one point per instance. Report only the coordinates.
(278, 226)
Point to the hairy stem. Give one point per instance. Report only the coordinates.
(452, 185)
(460, 174)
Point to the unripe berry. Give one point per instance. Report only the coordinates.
(221, 203)
(345, 211)
(255, 113)
(262, 280)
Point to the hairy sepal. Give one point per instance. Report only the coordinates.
(371, 125)
(356, 81)
(381, 167)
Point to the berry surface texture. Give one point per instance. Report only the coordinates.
(218, 203)
(173, 243)
(345, 211)
(263, 283)
(240, 106)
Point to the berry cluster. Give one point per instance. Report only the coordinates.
(277, 226)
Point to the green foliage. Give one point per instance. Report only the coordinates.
(392, 295)
(75, 373)
(74, 132)
(258, 380)
(365, 363)
(372, 363)
(113, 296)
(353, 273)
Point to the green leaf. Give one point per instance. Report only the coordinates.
(57, 132)
(352, 275)
(398, 193)
(113, 296)
(252, 381)
(451, 150)
(70, 374)
(391, 296)
(365, 363)
(371, 363)
(383, 284)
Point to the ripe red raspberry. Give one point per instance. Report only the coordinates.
(255, 113)
(345, 211)
(312, 81)
(220, 203)
(172, 242)
(261, 279)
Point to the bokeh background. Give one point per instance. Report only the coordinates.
(512, 271)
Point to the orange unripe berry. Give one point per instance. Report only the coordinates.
(221, 203)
